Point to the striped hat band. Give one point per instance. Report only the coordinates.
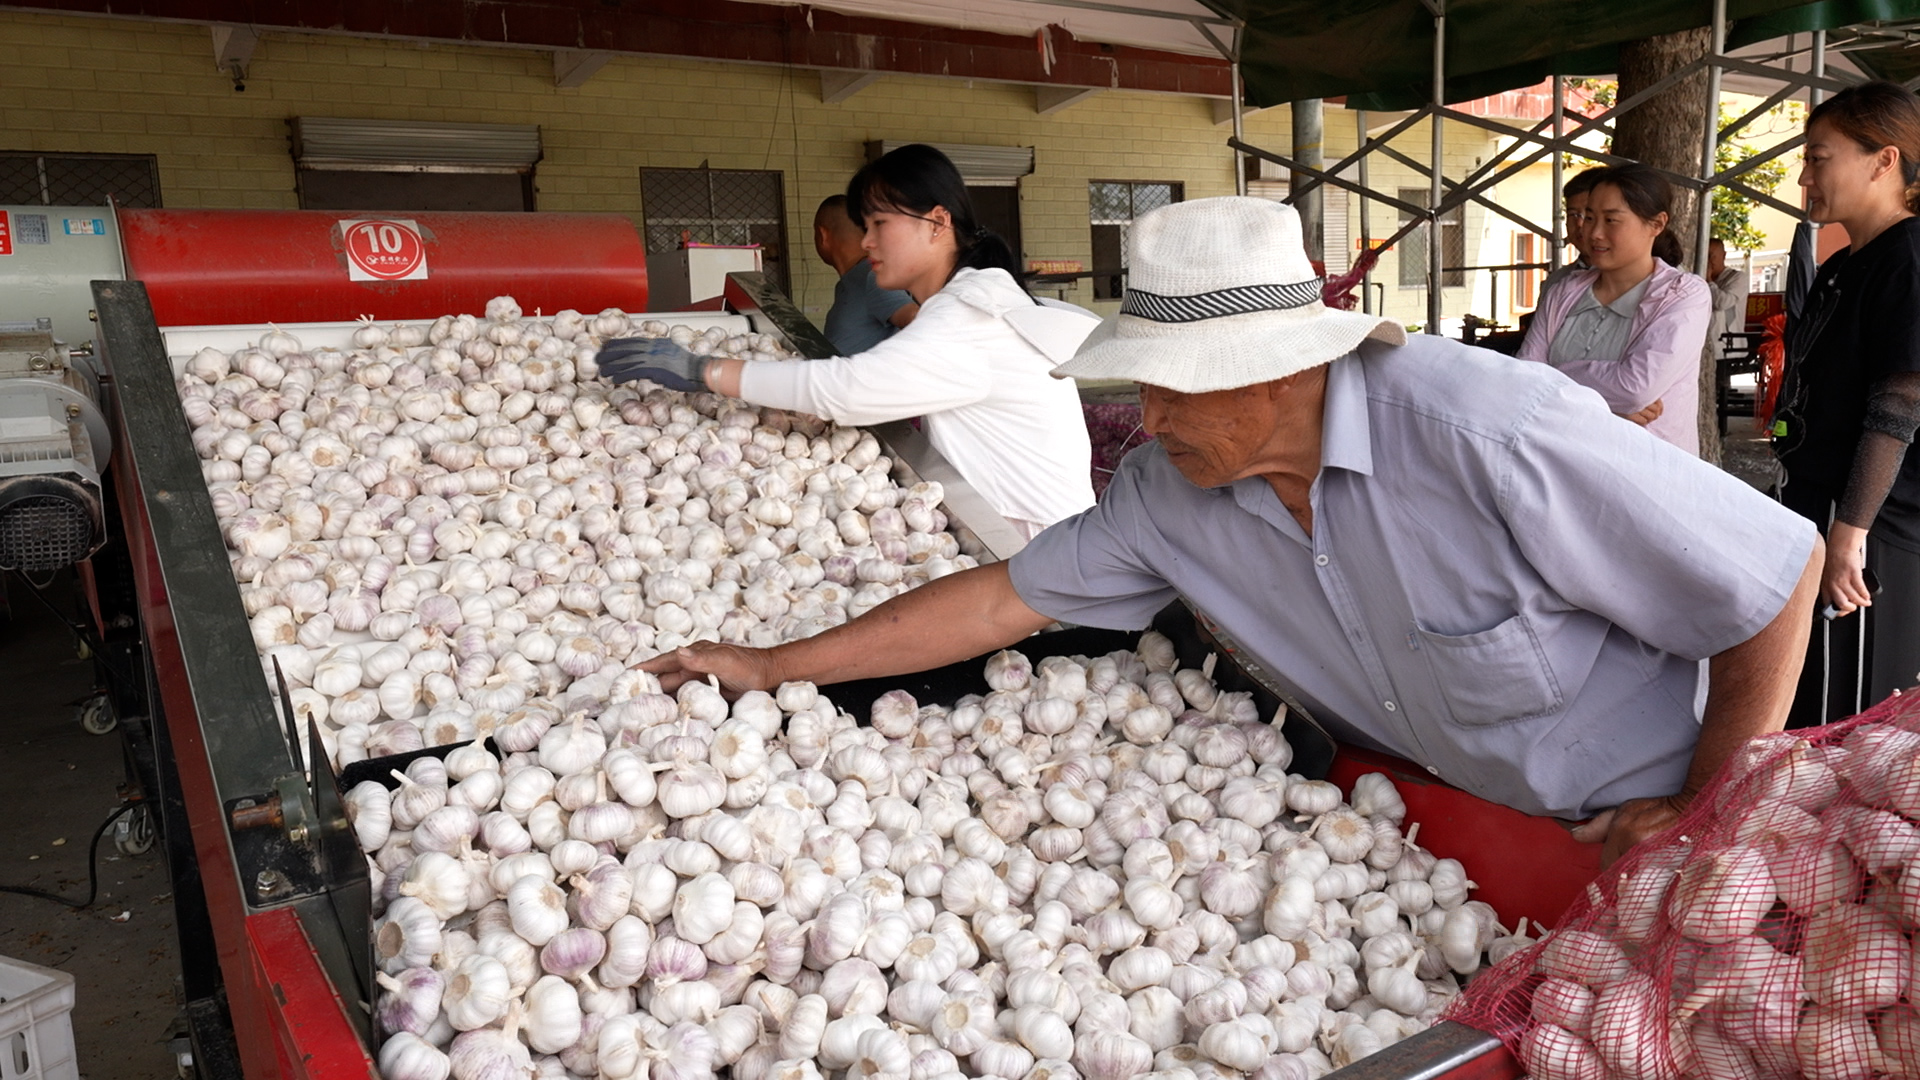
(1239, 300)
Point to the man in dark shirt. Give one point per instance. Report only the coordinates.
(863, 314)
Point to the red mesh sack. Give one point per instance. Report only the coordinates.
(1773, 366)
(1767, 935)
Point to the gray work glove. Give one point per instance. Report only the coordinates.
(659, 359)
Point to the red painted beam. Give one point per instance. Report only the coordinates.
(702, 29)
(311, 1035)
(253, 1022)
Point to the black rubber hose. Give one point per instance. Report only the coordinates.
(93, 876)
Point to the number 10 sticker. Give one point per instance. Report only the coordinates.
(384, 249)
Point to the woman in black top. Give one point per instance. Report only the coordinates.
(1851, 396)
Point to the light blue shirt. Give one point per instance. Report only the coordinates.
(1502, 584)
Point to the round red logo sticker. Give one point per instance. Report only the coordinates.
(386, 250)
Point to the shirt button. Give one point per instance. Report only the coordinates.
(1390, 706)
(1433, 770)
(1319, 560)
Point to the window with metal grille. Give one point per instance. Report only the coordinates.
(80, 179)
(1112, 205)
(717, 206)
(1413, 248)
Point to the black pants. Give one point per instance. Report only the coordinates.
(1893, 623)
(1835, 663)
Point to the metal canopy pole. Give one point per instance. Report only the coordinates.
(1239, 125)
(1230, 53)
(1710, 146)
(1308, 146)
(1559, 242)
(1239, 91)
(1816, 94)
(1366, 232)
(1437, 189)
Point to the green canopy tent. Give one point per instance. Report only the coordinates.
(1420, 54)
(1379, 53)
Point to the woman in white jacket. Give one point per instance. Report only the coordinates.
(975, 362)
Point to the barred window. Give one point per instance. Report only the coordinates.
(80, 179)
(717, 206)
(1112, 206)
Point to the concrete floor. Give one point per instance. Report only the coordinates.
(1748, 455)
(57, 783)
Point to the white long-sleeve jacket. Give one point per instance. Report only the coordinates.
(992, 408)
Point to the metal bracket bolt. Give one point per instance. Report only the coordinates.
(270, 883)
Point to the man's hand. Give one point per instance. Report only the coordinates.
(962, 615)
(740, 669)
(1843, 581)
(1647, 415)
(1628, 824)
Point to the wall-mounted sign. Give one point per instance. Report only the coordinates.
(384, 249)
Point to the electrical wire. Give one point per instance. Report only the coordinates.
(93, 875)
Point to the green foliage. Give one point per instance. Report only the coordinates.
(1733, 212)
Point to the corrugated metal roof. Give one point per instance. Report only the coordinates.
(333, 142)
(974, 162)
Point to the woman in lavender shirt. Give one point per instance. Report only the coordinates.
(1634, 326)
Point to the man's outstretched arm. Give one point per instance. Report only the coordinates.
(955, 618)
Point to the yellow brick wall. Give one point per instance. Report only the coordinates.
(124, 86)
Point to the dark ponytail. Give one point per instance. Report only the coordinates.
(1648, 195)
(1666, 247)
(916, 178)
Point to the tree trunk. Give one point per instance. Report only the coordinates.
(1666, 132)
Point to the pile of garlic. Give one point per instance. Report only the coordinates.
(1775, 940)
(445, 524)
(1101, 869)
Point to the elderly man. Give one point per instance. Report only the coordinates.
(863, 314)
(1446, 555)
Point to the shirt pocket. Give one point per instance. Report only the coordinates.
(1496, 676)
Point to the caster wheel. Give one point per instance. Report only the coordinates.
(133, 833)
(96, 716)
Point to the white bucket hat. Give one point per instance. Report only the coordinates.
(1220, 294)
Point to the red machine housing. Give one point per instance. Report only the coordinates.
(1525, 866)
(223, 267)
